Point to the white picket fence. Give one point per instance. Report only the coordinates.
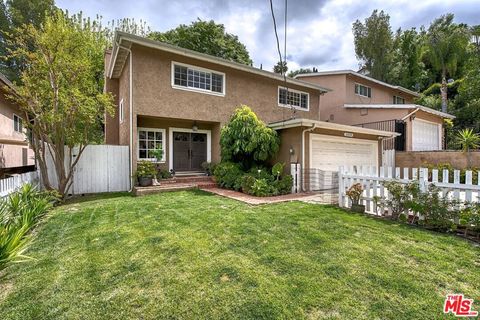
(372, 180)
(9, 185)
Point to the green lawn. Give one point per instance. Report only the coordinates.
(192, 255)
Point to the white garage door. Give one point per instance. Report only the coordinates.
(425, 135)
(328, 152)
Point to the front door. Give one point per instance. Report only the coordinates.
(189, 151)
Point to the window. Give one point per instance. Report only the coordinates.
(293, 98)
(398, 100)
(148, 141)
(121, 111)
(362, 90)
(17, 123)
(198, 79)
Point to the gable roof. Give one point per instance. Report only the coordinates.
(292, 123)
(123, 42)
(357, 74)
(399, 106)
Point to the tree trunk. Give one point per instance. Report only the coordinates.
(443, 91)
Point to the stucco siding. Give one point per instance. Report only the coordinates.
(14, 149)
(154, 95)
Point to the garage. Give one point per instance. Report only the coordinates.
(330, 152)
(425, 135)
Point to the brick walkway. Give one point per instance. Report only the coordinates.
(307, 197)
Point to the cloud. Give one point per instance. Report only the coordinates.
(318, 31)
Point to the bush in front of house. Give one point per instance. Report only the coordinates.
(20, 212)
(247, 145)
(431, 208)
(246, 140)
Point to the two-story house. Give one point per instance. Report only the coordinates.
(15, 154)
(363, 101)
(179, 99)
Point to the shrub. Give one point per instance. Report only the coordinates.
(163, 174)
(228, 175)
(261, 188)
(277, 170)
(208, 167)
(247, 140)
(284, 185)
(19, 213)
(401, 197)
(146, 169)
(247, 183)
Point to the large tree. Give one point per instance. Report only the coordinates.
(446, 43)
(206, 37)
(61, 90)
(13, 15)
(407, 69)
(373, 44)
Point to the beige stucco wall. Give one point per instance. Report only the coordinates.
(14, 149)
(158, 105)
(416, 159)
(343, 92)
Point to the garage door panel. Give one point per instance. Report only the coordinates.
(328, 153)
(425, 135)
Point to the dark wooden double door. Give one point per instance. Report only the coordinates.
(189, 151)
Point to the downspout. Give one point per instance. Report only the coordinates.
(130, 99)
(303, 152)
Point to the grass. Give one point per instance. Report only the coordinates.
(192, 255)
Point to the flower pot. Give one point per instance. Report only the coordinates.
(145, 181)
(359, 208)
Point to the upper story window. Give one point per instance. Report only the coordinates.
(293, 98)
(17, 124)
(398, 100)
(121, 111)
(363, 91)
(197, 79)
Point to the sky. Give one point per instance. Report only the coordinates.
(319, 32)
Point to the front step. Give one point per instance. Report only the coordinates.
(176, 184)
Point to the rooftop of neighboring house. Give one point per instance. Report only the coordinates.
(123, 42)
(359, 75)
(4, 81)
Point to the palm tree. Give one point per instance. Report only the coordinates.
(467, 140)
(447, 42)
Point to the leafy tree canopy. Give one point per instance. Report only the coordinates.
(373, 40)
(281, 67)
(206, 37)
(61, 91)
(301, 71)
(13, 15)
(247, 140)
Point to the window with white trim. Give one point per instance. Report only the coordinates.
(17, 123)
(198, 79)
(121, 111)
(363, 91)
(398, 100)
(149, 140)
(293, 98)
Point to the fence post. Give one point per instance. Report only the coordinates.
(423, 177)
(340, 186)
(293, 173)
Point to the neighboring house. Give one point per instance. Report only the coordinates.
(15, 154)
(179, 99)
(363, 101)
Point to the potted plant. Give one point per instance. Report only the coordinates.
(157, 154)
(145, 173)
(354, 193)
